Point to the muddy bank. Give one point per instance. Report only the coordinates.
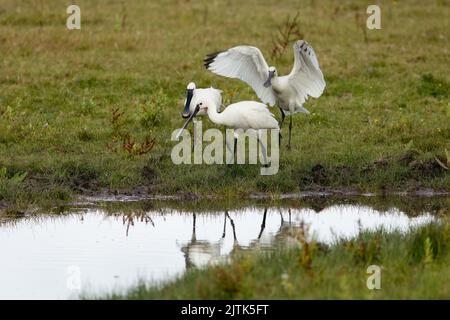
(137, 207)
(126, 197)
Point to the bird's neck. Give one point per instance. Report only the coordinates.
(276, 82)
(213, 115)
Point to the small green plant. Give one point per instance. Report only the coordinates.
(428, 251)
(10, 186)
(87, 107)
(16, 179)
(431, 86)
(151, 117)
(430, 242)
(120, 19)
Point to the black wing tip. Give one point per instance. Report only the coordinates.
(210, 58)
(207, 64)
(214, 54)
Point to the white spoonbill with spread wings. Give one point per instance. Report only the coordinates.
(290, 92)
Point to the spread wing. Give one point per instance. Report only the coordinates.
(306, 78)
(245, 63)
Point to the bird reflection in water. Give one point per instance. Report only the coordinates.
(199, 253)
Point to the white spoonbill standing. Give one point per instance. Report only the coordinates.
(242, 115)
(290, 92)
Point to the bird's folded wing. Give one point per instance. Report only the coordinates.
(306, 78)
(246, 63)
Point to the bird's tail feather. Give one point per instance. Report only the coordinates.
(298, 109)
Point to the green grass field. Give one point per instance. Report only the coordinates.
(78, 106)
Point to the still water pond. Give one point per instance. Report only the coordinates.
(90, 250)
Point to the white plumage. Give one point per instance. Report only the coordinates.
(245, 115)
(241, 115)
(192, 95)
(246, 63)
(290, 92)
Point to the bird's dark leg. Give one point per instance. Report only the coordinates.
(232, 225)
(194, 235)
(232, 151)
(235, 150)
(224, 225)
(193, 140)
(263, 224)
(290, 128)
(283, 115)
